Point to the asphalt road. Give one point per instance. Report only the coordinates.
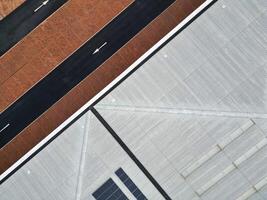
(78, 66)
(24, 19)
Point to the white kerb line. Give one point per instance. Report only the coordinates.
(43, 4)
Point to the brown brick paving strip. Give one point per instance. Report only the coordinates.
(96, 81)
(7, 6)
(52, 42)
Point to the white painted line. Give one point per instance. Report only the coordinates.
(106, 89)
(43, 4)
(98, 49)
(64, 5)
(4, 128)
(35, 10)
(103, 45)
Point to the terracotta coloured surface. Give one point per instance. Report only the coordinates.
(7, 6)
(53, 41)
(88, 88)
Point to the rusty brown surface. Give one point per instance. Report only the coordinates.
(7, 6)
(95, 82)
(52, 42)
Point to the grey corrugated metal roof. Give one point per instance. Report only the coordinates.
(217, 64)
(195, 115)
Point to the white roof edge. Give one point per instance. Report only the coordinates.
(107, 88)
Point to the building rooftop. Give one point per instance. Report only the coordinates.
(191, 122)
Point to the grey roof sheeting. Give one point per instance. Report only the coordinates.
(217, 64)
(198, 107)
(74, 166)
(195, 115)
